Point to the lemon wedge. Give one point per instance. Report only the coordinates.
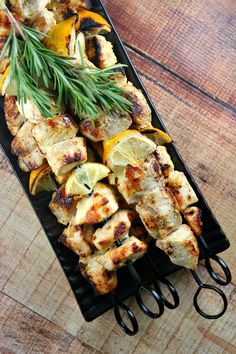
(127, 148)
(158, 136)
(92, 22)
(83, 179)
(61, 38)
(41, 180)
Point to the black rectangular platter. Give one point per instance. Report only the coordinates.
(90, 304)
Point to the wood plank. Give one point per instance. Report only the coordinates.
(195, 39)
(24, 331)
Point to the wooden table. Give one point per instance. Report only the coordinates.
(185, 52)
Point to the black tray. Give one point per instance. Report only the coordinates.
(90, 304)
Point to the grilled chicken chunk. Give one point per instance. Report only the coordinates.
(105, 126)
(100, 52)
(159, 212)
(78, 238)
(64, 156)
(181, 246)
(44, 21)
(31, 161)
(193, 217)
(100, 278)
(54, 130)
(27, 9)
(164, 160)
(63, 206)
(140, 111)
(97, 207)
(64, 9)
(134, 181)
(131, 249)
(14, 120)
(24, 142)
(182, 189)
(30, 111)
(115, 228)
(120, 77)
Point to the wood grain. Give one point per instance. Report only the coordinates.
(194, 39)
(24, 331)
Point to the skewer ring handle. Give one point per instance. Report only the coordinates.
(158, 299)
(226, 279)
(219, 292)
(120, 306)
(171, 289)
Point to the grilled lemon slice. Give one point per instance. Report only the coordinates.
(92, 22)
(41, 180)
(83, 179)
(61, 38)
(127, 148)
(158, 136)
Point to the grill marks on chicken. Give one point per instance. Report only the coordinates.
(100, 52)
(102, 280)
(63, 206)
(131, 249)
(97, 207)
(115, 228)
(13, 118)
(181, 246)
(54, 130)
(105, 126)
(78, 238)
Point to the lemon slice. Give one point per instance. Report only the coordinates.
(61, 38)
(41, 180)
(83, 179)
(128, 148)
(92, 22)
(158, 136)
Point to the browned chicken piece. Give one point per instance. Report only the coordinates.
(78, 238)
(193, 217)
(14, 120)
(182, 189)
(134, 181)
(140, 111)
(24, 142)
(100, 52)
(80, 48)
(27, 9)
(63, 206)
(30, 111)
(105, 126)
(5, 28)
(66, 8)
(96, 207)
(131, 249)
(54, 130)
(120, 77)
(31, 161)
(164, 160)
(159, 212)
(115, 228)
(44, 21)
(64, 156)
(182, 247)
(100, 278)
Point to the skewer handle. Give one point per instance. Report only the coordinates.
(201, 287)
(120, 306)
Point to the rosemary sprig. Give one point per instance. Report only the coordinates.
(40, 74)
